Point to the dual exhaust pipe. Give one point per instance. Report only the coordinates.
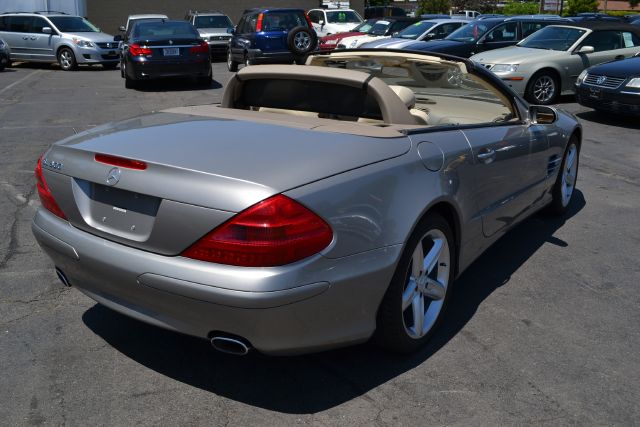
(223, 343)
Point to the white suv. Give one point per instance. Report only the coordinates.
(332, 21)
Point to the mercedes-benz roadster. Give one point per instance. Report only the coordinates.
(317, 206)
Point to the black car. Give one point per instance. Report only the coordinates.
(383, 12)
(158, 49)
(486, 34)
(613, 87)
(268, 35)
(594, 16)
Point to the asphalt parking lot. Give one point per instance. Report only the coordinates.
(544, 328)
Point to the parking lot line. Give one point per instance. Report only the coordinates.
(19, 81)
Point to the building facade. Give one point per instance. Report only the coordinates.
(110, 14)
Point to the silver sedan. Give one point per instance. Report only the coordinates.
(318, 206)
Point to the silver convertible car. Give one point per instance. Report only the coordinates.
(317, 206)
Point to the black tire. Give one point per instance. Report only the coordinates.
(300, 60)
(543, 88)
(130, 83)
(247, 61)
(66, 59)
(392, 332)
(231, 64)
(205, 80)
(560, 202)
(301, 41)
(1, 67)
(110, 65)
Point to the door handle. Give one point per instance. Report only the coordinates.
(34, 38)
(25, 38)
(487, 156)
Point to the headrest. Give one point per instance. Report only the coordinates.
(406, 95)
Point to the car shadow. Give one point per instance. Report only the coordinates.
(54, 66)
(174, 85)
(316, 382)
(610, 119)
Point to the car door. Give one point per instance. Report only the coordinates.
(17, 36)
(41, 44)
(502, 35)
(241, 39)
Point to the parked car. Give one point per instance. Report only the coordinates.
(547, 63)
(433, 29)
(485, 34)
(56, 37)
(5, 55)
(316, 207)
(328, 43)
(332, 21)
(131, 19)
(383, 12)
(611, 87)
(165, 48)
(382, 28)
(592, 16)
(271, 36)
(214, 27)
(466, 14)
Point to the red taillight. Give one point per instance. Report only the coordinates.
(259, 23)
(137, 50)
(276, 231)
(203, 47)
(46, 198)
(306, 15)
(120, 162)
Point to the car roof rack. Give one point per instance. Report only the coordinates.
(49, 12)
(196, 12)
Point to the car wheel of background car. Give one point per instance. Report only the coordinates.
(247, 61)
(417, 296)
(205, 80)
(122, 70)
(1, 67)
(67, 59)
(231, 64)
(567, 176)
(301, 40)
(542, 88)
(110, 66)
(129, 83)
(300, 60)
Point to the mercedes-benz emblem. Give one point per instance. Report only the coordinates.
(601, 80)
(113, 177)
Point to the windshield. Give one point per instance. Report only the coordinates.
(414, 31)
(365, 26)
(469, 33)
(164, 29)
(343, 17)
(553, 38)
(379, 28)
(215, 21)
(73, 24)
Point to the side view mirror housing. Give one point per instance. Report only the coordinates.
(122, 28)
(430, 36)
(231, 30)
(47, 30)
(117, 38)
(542, 115)
(321, 22)
(585, 49)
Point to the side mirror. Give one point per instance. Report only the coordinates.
(541, 115)
(47, 30)
(122, 28)
(321, 23)
(395, 34)
(117, 38)
(585, 49)
(430, 35)
(231, 30)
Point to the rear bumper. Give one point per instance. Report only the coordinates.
(311, 305)
(609, 100)
(140, 70)
(257, 56)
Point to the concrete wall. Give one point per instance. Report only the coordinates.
(110, 14)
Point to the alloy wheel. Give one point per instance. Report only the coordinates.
(302, 41)
(569, 174)
(544, 89)
(426, 284)
(66, 59)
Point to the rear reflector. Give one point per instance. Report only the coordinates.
(276, 231)
(120, 162)
(259, 22)
(46, 198)
(137, 50)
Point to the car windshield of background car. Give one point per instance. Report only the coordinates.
(412, 32)
(164, 29)
(379, 28)
(73, 24)
(212, 22)
(469, 33)
(282, 21)
(553, 38)
(343, 17)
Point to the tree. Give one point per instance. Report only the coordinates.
(433, 6)
(482, 6)
(579, 6)
(517, 8)
(634, 3)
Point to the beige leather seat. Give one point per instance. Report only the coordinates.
(298, 113)
(409, 99)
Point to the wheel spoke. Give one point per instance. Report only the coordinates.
(570, 159)
(417, 261)
(570, 179)
(434, 290)
(418, 313)
(431, 259)
(409, 294)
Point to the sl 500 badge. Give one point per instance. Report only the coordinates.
(52, 164)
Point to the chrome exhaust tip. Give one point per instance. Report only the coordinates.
(63, 277)
(230, 345)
